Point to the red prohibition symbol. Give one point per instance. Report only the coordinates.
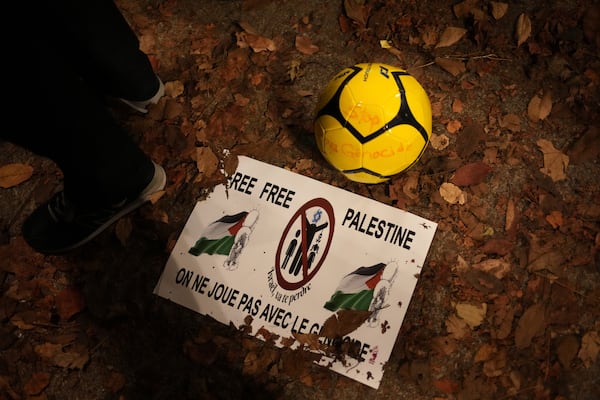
(307, 244)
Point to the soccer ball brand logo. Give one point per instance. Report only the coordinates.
(373, 121)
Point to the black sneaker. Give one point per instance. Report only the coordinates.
(142, 105)
(60, 225)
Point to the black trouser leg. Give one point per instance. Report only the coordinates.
(96, 36)
(55, 113)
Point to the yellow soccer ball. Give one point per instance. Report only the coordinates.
(372, 122)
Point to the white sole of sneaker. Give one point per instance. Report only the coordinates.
(142, 106)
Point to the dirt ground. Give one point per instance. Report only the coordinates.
(508, 302)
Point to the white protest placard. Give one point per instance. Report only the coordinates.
(283, 252)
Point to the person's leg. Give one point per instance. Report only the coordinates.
(105, 173)
(101, 43)
(72, 126)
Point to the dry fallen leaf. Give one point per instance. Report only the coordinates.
(587, 147)
(429, 36)
(523, 30)
(385, 44)
(305, 93)
(357, 11)
(496, 365)
(590, 347)
(497, 267)
(247, 27)
(453, 66)
(255, 362)
(174, 88)
(305, 45)
(259, 43)
(411, 186)
(14, 174)
(294, 70)
(37, 382)
(510, 218)
(456, 327)
(539, 107)
(457, 106)
(73, 358)
(469, 139)
(546, 255)
(48, 350)
(450, 36)
(115, 381)
(591, 24)
(343, 322)
(69, 302)
(123, 230)
(447, 386)
(439, 142)
(453, 126)
(499, 9)
(498, 245)
(251, 38)
(555, 162)
(555, 218)
(452, 193)
(206, 161)
(464, 8)
(308, 340)
(471, 174)
(531, 324)
(29, 319)
(472, 314)
(567, 349)
(512, 122)
(485, 352)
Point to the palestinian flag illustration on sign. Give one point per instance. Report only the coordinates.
(355, 290)
(220, 236)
